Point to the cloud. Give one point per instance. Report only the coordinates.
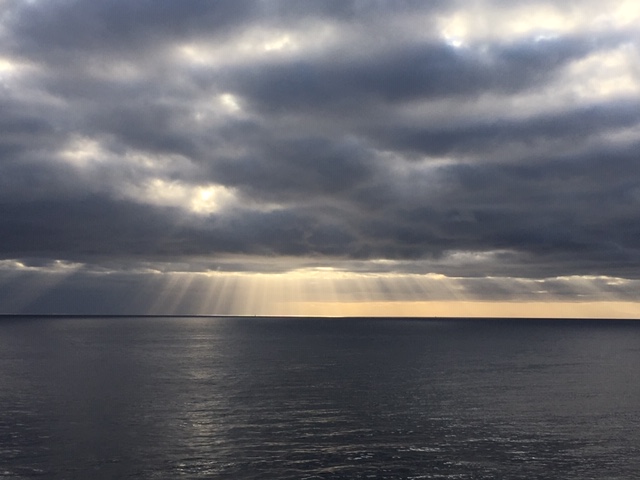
(468, 139)
(497, 135)
(407, 72)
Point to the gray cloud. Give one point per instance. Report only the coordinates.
(409, 71)
(278, 135)
(115, 26)
(491, 134)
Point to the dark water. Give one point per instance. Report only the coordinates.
(312, 399)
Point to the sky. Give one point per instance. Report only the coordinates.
(297, 157)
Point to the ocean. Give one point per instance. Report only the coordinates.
(310, 398)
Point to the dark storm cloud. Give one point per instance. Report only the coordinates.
(490, 133)
(550, 209)
(298, 167)
(95, 228)
(118, 26)
(410, 71)
(364, 133)
(60, 29)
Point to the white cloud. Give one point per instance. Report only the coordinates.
(604, 74)
(83, 152)
(203, 199)
(481, 21)
(230, 103)
(55, 266)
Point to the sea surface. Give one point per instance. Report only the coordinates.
(278, 398)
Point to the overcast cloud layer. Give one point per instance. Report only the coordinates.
(468, 139)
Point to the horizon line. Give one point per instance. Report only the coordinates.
(311, 317)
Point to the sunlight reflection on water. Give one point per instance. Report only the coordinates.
(302, 398)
